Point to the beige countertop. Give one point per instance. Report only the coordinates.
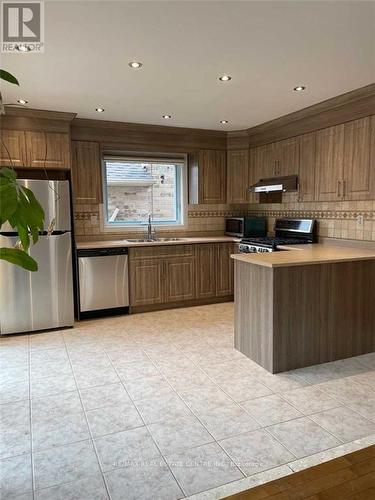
(129, 244)
(302, 255)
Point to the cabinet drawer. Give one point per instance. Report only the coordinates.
(157, 252)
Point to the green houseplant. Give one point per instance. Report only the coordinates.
(18, 207)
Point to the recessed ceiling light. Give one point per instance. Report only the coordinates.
(21, 101)
(135, 64)
(99, 110)
(223, 121)
(225, 78)
(23, 48)
(167, 117)
(299, 88)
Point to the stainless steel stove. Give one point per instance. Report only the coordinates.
(287, 232)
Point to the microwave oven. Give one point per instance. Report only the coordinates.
(244, 227)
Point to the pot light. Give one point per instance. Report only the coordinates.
(225, 78)
(299, 88)
(23, 48)
(167, 117)
(135, 64)
(21, 101)
(223, 122)
(99, 110)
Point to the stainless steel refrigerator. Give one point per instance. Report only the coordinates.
(43, 299)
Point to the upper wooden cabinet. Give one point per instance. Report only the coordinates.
(237, 176)
(86, 172)
(12, 148)
(306, 179)
(285, 157)
(212, 176)
(329, 163)
(48, 150)
(358, 181)
(35, 149)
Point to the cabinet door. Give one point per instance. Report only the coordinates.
(224, 270)
(12, 148)
(86, 172)
(212, 176)
(48, 150)
(237, 176)
(359, 167)
(306, 178)
(206, 270)
(329, 163)
(261, 166)
(179, 281)
(286, 155)
(146, 282)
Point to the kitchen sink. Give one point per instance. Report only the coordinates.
(153, 240)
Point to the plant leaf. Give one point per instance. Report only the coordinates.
(8, 173)
(5, 75)
(19, 258)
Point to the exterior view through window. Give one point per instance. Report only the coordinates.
(135, 188)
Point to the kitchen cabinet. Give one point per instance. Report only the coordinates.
(285, 157)
(224, 269)
(237, 176)
(208, 176)
(146, 282)
(358, 180)
(48, 150)
(329, 163)
(12, 149)
(179, 274)
(86, 172)
(306, 177)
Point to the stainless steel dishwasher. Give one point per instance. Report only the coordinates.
(103, 281)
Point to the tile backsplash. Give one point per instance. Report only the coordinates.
(346, 219)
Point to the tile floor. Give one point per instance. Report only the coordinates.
(161, 406)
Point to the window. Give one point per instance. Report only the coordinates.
(136, 187)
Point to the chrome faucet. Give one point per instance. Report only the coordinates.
(149, 228)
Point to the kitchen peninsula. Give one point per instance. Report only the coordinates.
(308, 305)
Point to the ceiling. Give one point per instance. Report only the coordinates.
(268, 47)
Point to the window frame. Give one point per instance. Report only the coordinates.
(181, 193)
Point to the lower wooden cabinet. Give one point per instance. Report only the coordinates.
(182, 273)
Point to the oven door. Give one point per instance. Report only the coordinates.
(234, 227)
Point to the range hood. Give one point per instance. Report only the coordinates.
(283, 184)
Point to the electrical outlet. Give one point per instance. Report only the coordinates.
(359, 220)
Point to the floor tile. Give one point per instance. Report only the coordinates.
(164, 407)
(366, 408)
(14, 414)
(303, 437)
(347, 390)
(227, 421)
(310, 400)
(95, 376)
(52, 385)
(150, 482)
(281, 382)
(147, 387)
(186, 380)
(14, 440)
(11, 392)
(256, 451)
(208, 397)
(15, 476)
(135, 370)
(56, 405)
(57, 431)
(132, 447)
(270, 410)
(112, 419)
(201, 468)
(344, 423)
(63, 464)
(106, 395)
(245, 388)
(90, 488)
(174, 435)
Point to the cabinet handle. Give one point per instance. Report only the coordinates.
(344, 188)
(339, 189)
